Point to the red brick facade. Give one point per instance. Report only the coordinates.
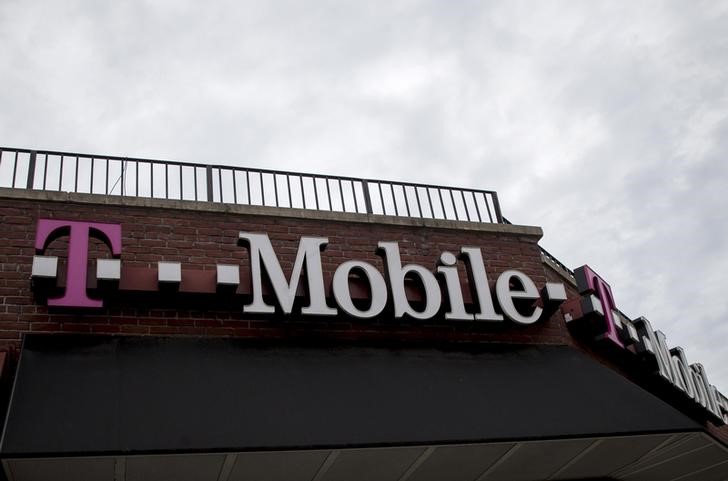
(200, 239)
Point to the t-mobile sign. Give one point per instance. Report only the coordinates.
(515, 298)
(601, 318)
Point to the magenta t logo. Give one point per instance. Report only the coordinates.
(588, 281)
(79, 232)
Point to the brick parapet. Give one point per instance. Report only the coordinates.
(200, 237)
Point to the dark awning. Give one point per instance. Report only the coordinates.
(88, 395)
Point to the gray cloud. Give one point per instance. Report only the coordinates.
(603, 122)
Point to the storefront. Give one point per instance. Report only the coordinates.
(341, 329)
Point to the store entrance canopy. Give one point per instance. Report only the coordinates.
(111, 408)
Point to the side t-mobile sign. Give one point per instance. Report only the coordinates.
(517, 298)
(600, 318)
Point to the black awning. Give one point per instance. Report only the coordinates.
(100, 394)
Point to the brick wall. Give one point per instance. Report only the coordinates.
(202, 236)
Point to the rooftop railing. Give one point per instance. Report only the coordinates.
(132, 177)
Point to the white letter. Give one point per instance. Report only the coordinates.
(343, 295)
(681, 369)
(454, 292)
(397, 273)
(653, 343)
(710, 398)
(479, 279)
(506, 296)
(309, 251)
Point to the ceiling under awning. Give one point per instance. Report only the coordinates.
(129, 408)
(657, 457)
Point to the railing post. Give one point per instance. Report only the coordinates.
(496, 206)
(367, 199)
(31, 171)
(209, 183)
(123, 167)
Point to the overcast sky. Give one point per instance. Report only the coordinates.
(605, 123)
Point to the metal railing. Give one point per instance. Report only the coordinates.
(132, 177)
(548, 257)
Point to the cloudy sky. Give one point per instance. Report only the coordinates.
(606, 123)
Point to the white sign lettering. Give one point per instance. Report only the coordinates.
(516, 293)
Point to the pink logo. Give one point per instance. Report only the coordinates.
(79, 232)
(589, 281)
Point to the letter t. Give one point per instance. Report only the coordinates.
(48, 229)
